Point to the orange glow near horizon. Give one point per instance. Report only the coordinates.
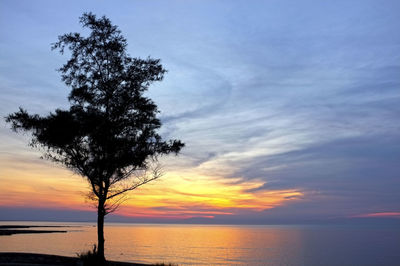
(43, 185)
(199, 196)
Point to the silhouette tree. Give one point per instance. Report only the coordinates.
(109, 134)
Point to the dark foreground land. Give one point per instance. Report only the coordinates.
(30, 259)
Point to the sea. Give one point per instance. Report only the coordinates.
(218, 244)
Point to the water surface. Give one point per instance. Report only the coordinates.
(219, 245)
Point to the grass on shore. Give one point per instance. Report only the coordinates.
(90, 258)
(21, 259)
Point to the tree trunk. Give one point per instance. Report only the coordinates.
(100, 230)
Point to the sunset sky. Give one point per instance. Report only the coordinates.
(290, 110)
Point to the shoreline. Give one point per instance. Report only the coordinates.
(35, 259)
(14, 232)
(7, 230)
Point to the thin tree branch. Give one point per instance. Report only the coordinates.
(156, 173)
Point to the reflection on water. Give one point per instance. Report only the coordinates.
(204, 244)
(219, 245)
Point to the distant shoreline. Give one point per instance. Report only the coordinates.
(6, 230)
(30, 226)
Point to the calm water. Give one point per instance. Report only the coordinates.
(220, 245)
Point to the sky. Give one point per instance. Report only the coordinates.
(289, 109)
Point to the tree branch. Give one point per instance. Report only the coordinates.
(156, 173)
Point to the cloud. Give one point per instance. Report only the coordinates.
(329, 136)
(380, 214)
(345, 176)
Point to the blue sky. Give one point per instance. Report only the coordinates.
(297, 95)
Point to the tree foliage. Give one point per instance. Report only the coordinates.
(109, 134)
